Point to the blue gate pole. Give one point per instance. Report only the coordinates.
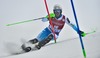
(82, 45)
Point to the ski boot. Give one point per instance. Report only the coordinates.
(30, 45)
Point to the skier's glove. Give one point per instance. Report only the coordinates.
(83, 34)
(52, 15)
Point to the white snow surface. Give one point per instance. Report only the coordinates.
(69, 48)
(68, 44)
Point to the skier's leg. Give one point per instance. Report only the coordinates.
(39, 39)
(30, 45)
(45, 41)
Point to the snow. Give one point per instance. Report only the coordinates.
(69, 48)
(68, 45)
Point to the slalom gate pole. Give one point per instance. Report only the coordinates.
(50, 21)
(83, 50)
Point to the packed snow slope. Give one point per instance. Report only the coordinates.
(68, 48)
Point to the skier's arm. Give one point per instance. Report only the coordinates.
(73, 26)
(44, 19)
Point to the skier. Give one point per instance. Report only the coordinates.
(58, 21)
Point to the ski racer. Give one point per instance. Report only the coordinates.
(58, 22)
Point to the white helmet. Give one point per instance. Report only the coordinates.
(57, 7)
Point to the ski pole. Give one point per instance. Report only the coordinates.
(81, 41)
(24, 21)
(84, 34)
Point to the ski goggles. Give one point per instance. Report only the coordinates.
(57, 10)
